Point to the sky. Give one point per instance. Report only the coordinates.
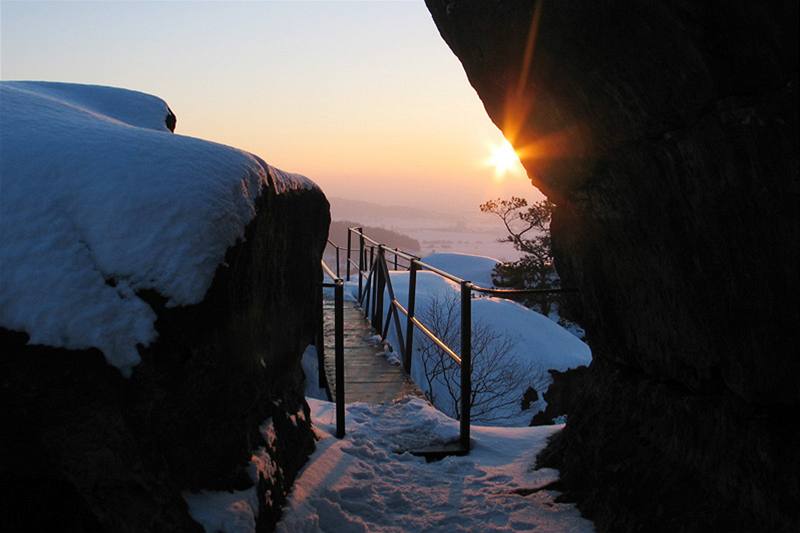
(365, 98)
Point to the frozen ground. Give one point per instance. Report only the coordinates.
(367, 482)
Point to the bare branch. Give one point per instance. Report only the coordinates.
(498, 379)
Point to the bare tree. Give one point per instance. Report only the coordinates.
(498, 378)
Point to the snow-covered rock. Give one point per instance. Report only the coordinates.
(100, 201)
(475, 268)
(189, 265)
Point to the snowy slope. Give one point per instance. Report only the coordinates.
(100, 200)
(538, 341)
(474, 268)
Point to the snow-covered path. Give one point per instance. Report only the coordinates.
(367, 483)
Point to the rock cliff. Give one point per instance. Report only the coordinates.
(85, 449)
(84, 446)
(666, 133)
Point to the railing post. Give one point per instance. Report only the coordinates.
(339, 356)
(320, 343)
(412, 297)
(373, 287)
(466, 363)
(371, 255)
(374, 291)
(380, 287)
(395, 258)
(368, 291)
(360, 262)
(338, 275)
(348, 254)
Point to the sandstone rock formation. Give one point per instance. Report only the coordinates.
(666, 132)
(83, 448)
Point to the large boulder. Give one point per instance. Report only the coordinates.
(666, 133)
(94, 439)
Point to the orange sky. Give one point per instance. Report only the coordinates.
(365, 98)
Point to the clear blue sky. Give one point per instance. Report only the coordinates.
(364, 97)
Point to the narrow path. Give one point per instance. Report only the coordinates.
(366, 483)
(369, 377)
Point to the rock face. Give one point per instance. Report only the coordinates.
(85, 449)
(666, 133)
(561, 395)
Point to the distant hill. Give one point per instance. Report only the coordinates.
(346, 209)
(392, 239)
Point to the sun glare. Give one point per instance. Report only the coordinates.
(503, 158)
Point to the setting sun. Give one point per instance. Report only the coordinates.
(503, 158)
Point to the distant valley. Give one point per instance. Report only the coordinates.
(465, 232)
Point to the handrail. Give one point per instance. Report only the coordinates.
(478, 288)
(452, 277)
(410, 257)
(331, 274)
(338, 327)
(441, 272)
(338, 249)
(453, 355)
(370, 297)
(361, 232)
(374, 278)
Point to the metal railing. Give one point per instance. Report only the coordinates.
(372, 268)
(338, 327)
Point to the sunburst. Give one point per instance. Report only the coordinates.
(503, 158)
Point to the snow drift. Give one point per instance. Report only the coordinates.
(538, 342)
(99, 202)
(475, 268)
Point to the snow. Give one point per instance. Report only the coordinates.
(474, 268)
(124, 106)
(392, 357)
(367, 482)
(311, 371)
(538, 341)
(288, 181)
(227, 512)
(99, 201)
(236, 511)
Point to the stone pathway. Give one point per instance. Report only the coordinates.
(368, 376)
